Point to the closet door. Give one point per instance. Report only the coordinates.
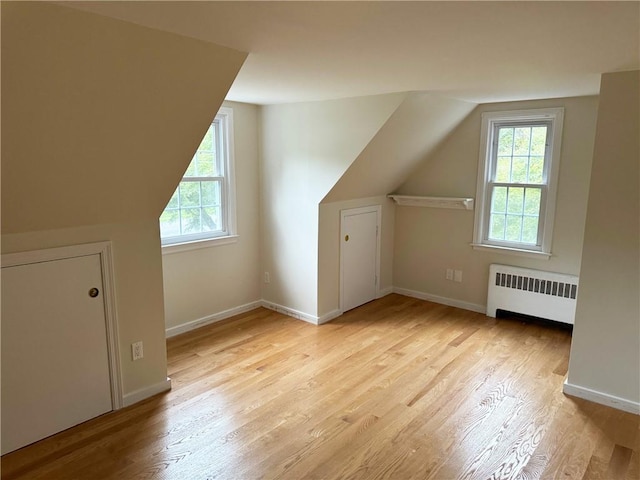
(359, 255)
(55, 363)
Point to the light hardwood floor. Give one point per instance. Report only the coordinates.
(396, 389)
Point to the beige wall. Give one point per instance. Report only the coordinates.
(428, 240)
(138, 289)
(306, 148)
(203, 282)
(329, 249)
(605, 352)
(100, 118)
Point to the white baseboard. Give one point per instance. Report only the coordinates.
(327, 317)
(384, 292)
(144, 393)
(291, 312)
(216, 317)
(601, 398)
(452, 302)
(313, 319)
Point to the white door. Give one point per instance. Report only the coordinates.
(55, 364)
(359, 256)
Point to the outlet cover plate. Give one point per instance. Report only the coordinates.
(136, 351)
(457, 276)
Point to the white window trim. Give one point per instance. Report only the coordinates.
(196, 244)
(489, 120)
(229, 191)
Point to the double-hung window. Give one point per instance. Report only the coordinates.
(517, 180)
(202, 207)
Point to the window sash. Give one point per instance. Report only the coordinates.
(490, 212)
(495, 132)
(216, 204)
(219, 152)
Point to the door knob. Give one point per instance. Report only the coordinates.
(346, 238)
(94, 292)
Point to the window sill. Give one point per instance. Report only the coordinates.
(512, 251)
(196, 244)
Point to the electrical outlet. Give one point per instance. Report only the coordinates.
(449, 275)
(136, 351)
(267, 277)
(457, 276)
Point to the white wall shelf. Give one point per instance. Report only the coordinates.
(434, 202)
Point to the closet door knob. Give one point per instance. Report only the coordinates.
(94, 292)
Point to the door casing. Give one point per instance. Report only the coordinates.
(103, 249)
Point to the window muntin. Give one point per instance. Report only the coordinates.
(517, 179)
(201, 208)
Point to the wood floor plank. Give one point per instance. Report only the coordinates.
(399, 388)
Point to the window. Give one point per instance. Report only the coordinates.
(202, 207)
(517, 180)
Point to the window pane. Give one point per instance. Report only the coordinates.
(203, 162)
(530, 230)
(521, 140)
(217, 153)
(206, 166)
(211, 219)
(503, 169)
(496, 228)
(207, 142)
(538, 140)
(499, 200)
(515, 200)
(211, 194)
(174, 203)
(514, 228)
(536, 165)
(191, 169)
(519, 170)
(189, 194)
(191, 220)
(215, 132)
(170, 223)
(532, 201)
(505, 141)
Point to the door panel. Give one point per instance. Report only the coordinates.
(359, 258)
(55, 364)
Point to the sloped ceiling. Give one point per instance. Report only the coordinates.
(309, 146)
(100, 117)
(475, 51)
(410, 135)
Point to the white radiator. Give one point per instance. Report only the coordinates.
(532, 292)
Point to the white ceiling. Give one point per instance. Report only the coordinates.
(475, 51)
